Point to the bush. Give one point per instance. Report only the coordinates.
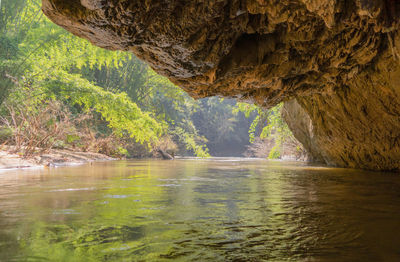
(36, 128)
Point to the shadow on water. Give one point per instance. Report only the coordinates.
(199, 210)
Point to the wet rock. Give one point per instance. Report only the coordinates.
(339, 59)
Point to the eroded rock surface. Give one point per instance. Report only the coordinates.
(302, 128)
(339, 59)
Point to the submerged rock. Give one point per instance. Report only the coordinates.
(338, 59)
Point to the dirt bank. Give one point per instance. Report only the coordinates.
(53, 158)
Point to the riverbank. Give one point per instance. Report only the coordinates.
(52, 158)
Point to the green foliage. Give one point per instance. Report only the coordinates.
(276, 125)
(252, 129)
(225, 128)
(168, 103)
(275, 152)
(249, 110)
(122, 115)
(190, 142)
(268, 124)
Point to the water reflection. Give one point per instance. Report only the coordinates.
(199, 210)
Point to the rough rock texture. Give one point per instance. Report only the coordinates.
(359, 124)
(302, 127)
(338, 58)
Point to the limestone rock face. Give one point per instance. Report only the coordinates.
(359, 125)
(339, 59)
(302, 128)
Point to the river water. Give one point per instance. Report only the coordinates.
(199, 210)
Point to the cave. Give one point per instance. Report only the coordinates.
(334, 63)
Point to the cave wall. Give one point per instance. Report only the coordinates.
(359, 126)
(356, 126)
(338, 58)
(302, 128)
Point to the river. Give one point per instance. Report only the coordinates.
(199, 210)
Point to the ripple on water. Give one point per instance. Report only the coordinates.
(200, 210)
(73, 189)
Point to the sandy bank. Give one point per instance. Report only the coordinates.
(53, 158)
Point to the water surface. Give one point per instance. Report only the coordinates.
(199, 210)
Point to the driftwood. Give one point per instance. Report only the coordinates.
(165, 155)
